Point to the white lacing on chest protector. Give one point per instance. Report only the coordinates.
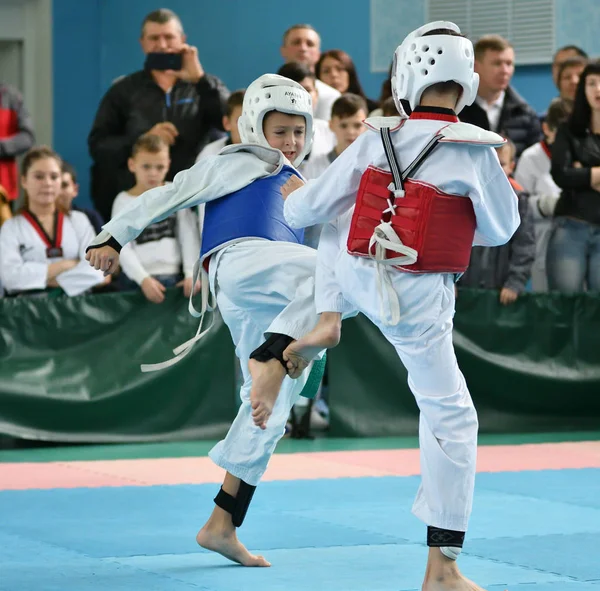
(183, 349)
(384, 236)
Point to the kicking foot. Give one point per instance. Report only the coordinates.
(300, 353)
(266, 382)
(229, 546)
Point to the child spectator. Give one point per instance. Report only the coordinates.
(347, 115)
(42, 248)
(154, 260)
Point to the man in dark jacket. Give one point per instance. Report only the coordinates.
(16, 137)
(183, 107)
(498, 107)
(505, 268)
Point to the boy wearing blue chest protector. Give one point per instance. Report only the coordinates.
(260, 274)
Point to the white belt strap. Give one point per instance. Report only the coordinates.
(183, 349)
(384, 238)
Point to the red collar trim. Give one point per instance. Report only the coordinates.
(59, 219)
(434, 116)
(546, 148)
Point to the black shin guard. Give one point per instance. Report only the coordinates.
(438, 538)
(237, 506)
(273, 348)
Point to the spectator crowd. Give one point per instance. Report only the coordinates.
(155, 122)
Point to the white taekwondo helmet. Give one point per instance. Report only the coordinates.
(272, 92)
(422, 61)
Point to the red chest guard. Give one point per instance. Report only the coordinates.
(432, 231)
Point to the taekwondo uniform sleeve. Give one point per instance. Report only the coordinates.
(188, 237)
(207, 180)
(82, 277)
(494, 200)
(129, 260)
(334, 192)
(16, 274)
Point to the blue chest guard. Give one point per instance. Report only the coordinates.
(256, 211)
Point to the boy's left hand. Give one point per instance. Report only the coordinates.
(187, 286)
(291, 185)
(508, 296)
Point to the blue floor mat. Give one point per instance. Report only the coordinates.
(530, 531)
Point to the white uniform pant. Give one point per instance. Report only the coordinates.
(261, 287)
(423, 340)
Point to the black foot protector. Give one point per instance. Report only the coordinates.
(273, 348)
(237, 506)
(437, 537)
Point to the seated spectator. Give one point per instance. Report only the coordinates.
(505, 268)
(533, 174)
(154, 259)
(574, 247)
(42, 248)
(336, 68)
(324, 140)
(230, 125)
(569, 73)
(561, 55)
(69, 190)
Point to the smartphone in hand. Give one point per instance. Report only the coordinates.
(164, 61)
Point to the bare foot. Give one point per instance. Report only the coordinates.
(442, 574)
(229, 546)
(266, 383)
(325, 335)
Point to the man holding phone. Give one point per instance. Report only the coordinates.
(172, 97)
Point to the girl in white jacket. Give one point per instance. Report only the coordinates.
(42, 248)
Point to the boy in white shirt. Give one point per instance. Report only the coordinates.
(347, 116)
(154, 260)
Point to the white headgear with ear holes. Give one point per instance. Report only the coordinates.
(423, 61)
(272, 92)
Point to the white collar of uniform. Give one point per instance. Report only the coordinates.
(497, 104)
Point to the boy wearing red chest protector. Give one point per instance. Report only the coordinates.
(402, 208)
